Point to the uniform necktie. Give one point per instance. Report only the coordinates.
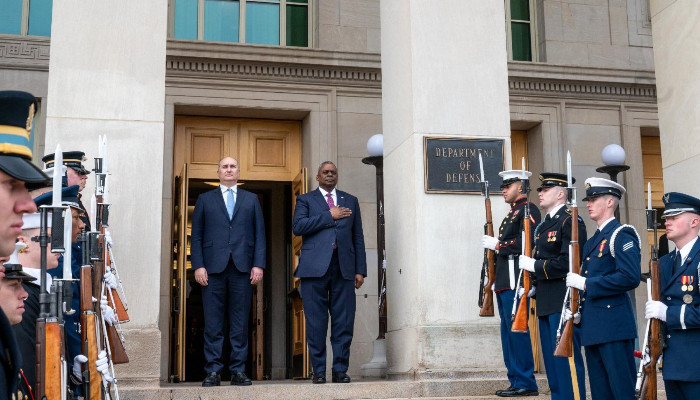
(331, 204)
(230, 202)
(677, 261)
(547, 218)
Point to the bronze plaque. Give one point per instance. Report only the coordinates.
(452, 164)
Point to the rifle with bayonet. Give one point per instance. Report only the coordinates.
(88, 323)
(565, 338)
(488, 266)
(51, 367)
(521, 313)
(646, 387)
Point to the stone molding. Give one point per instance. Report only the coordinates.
(24, 52)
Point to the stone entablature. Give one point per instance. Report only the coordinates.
(24, 52)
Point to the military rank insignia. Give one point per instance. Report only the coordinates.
(552, 236)
(687, 283)
(601, 247)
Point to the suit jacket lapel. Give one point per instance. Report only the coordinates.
(316, 194)
(237, 205)
(341, 198)
(219, 199)
(593, 244)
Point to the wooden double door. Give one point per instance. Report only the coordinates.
(269, 155)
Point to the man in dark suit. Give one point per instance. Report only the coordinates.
(679, 307)
(611, 267)
(550, 264)
(332, 265)
(16, 169)
(228, 257)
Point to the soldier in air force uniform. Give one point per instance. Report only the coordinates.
(517, 350)
(610, 268)
(550, 266)
(679, 307)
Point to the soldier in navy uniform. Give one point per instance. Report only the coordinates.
(517, 350)
(611, 267)
(679, 307)
(16, 117)
(550, 264)
(12, 297)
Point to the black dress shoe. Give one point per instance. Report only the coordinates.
(318, 377)
(239, 379)
(519, 393)
(498, 392)
(212, 379)
(340, 377)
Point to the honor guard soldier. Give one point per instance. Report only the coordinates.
(76, 174)
(550, 264)
(517, 349)
(16, 117)
(610, 268)
(679, 307)
(12, 296)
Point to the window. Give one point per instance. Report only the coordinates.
(268, 22)
(520, 30)
(26, 17)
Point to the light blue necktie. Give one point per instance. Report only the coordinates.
(230, 203)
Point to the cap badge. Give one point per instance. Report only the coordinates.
(666, 197)
(30, 118)
(588, 186)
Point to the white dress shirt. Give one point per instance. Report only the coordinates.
(224, 189)
(686, 250)
(601, 226)
(333, 195)
(36, 273)
(555, 210)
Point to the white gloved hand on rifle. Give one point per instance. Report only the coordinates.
(526, 263)
(489, 242)
(567, 316)
(575, 281)
(532, 291)
(78, 362)
(656, 309)
(110, 280)
(103, 368)
(107, 312)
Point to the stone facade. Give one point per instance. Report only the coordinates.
(593, 85)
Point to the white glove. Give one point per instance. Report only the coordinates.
(656, 309)
(531, 292)
(567, 316)
(103, 368)
(575, 281)
(493, 287)
(107, 312)
(108, 237)
(521, 291)
(78, 361)
(110, 280)
(489, 242)
(526, 263)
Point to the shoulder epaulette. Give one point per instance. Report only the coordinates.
(614, 236)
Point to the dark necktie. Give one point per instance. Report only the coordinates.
(547, 218)
(677, 261)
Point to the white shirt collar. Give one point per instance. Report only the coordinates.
(324, 193)
(36, 273)
(224, 189)
(686, 249)
(555, 210)
(601, 226)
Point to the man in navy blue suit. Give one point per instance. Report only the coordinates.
(332, 265)
(611, 267)
(228, 257)
(679, 307)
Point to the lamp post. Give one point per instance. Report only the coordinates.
(377, 367)
(613, 157)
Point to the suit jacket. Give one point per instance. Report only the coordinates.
(10, 359)
(682, 319)
(552, 240)
(314, 223)
(215, 238)
(25, 332)
(510, 241)
(606, 309)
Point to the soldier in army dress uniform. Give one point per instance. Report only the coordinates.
(517, 350)
(679, 307)
(550, 264)
(611, 267)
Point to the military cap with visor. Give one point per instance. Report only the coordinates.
(596, 187)
(552, 179)
(677, 203)
(71, 159)
(512, 176)
(13, 269)
(16, 118)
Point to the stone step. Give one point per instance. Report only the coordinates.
(359, 389)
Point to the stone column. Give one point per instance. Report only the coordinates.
(444, 73)
(676, 35)
(107, 77)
